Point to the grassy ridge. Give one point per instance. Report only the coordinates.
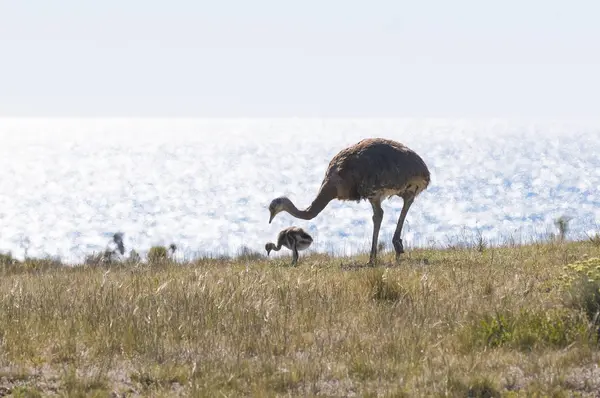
(457, 322)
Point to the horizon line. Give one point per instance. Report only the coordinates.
(306, 118)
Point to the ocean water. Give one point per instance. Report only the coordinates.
(68, 184)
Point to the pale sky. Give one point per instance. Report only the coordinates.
(325, 58)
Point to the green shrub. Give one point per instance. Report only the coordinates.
(157, 254)
(590, 269)
(581, 283)
(528, 329)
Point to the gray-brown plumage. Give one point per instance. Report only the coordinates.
(294, 238)
(374, 169)
(118, 239)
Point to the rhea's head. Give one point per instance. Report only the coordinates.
(278, 205)
(268, 247)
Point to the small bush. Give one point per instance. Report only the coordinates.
(562, 224)
(581, 282)
(26, 392)
(383, 288)
(494, 331)
(160, 254)
(157, 254)
(589, 269)
(528, 329)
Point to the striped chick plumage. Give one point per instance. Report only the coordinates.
(294, 238)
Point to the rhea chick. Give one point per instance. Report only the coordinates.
(294, 238)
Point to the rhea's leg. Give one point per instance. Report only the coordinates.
(377, 217)
(397, 240)
(295, 254)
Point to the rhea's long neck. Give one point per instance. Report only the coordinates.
(326, 194)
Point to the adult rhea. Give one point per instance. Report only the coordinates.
(373, 169)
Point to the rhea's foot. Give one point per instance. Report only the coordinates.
(372, 261)
(398, 246)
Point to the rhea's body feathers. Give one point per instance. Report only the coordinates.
(377, 168)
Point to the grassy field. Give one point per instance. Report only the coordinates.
(456, 322)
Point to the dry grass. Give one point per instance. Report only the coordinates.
(461, 322)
